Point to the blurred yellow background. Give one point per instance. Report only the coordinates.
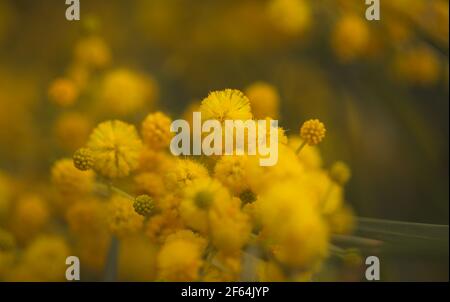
(381, 87)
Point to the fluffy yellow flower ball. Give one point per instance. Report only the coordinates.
(156, 161)
(87, 218)
(72, 130)
(92, 251)
(69, 181)
(230, 228)
(264, 100)
(163, 224)
(231, 172)
(92, 52)
(30, 216)
(228, 104)
(289, 218)
(291, 16)
(183, 173)
(123, 92)
(137, 260)
(327, 195)
(419, 66)
(189, 236)
(198, 199)
(45, 259)
(312, 132)
(342, 221)
(122, 218)
(116, 148)
(156, 132)
(340, 173)
(149, 183)
(180, 258)
(288, 167)
(63, 92)
(350, 38)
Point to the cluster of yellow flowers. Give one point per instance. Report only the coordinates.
(197, 218)
(87, 163)
(188, 218)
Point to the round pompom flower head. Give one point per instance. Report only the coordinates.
(122, 218)
(183, 173)
(63, 92)
(70, 181)
(228, 104)
(93, 52)
(71, 130)
(143, 205)
(156, 130)
(292, 17)
(232, 173)
(180, 258)
(203, 199)
(312, 132)
(350, 38)
(83, 159)
(124, 92)
(44, 258)
(247, 196)
(199, 198)
(264, 100)
(340, 173)
(116, 148)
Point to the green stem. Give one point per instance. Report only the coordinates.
(356, 241)
(112, 188)
(300, 147)
(112, 260)
(249, 262)
(208, 259)
(403, 229)
(120, 192)
(110, 274)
